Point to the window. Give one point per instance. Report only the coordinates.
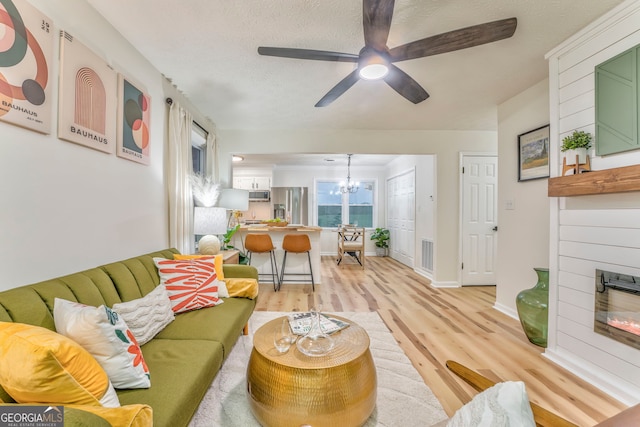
(335, 208)
(199, 148)
(361, 206)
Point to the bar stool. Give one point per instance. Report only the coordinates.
(297, 244)
(261, 243)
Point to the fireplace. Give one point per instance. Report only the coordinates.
(617, 309)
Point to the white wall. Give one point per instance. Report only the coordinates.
(523, 240)
(444, 144)
(590, 232)
(425, 199)
(65, 207)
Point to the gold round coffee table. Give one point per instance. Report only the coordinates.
(293, 389)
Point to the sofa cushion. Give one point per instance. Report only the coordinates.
(183, 371)
(40, 366)
(135, 277)
(148, 315)
(223, 323)
(124, 416)
(192, 284)
(107, 338)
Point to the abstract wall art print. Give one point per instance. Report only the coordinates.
(87, 100)
(134, 121)
(26, 49)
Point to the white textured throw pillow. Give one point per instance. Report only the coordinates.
(148, 315)
(223, 292)
(107, 338)
(505, 404)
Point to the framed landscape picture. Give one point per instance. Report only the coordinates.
(533, 154)
(134, 121)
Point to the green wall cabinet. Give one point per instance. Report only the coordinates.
(617, 98)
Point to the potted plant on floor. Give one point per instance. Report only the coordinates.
(574, 145)
(381, 237)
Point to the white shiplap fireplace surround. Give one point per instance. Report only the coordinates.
(590, 232)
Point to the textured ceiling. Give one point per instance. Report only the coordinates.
(208, 49)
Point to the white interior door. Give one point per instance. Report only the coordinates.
(479, 219)
(401, 200)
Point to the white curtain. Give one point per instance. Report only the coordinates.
(179, 168)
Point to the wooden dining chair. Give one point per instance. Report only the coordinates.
(351, 242)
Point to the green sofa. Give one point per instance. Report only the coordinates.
(183, 359)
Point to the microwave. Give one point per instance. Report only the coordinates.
(259, 196)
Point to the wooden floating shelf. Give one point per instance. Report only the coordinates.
(616, 180)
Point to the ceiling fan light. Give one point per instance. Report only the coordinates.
(372, 65)
(374, 71)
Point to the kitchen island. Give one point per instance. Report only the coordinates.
(296, 263)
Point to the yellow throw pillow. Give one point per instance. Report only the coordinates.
(241, 287)
(40, 366)
(217, 262)
(125, 416)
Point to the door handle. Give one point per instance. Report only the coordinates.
(495, 228)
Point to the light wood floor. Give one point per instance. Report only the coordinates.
(434, 325)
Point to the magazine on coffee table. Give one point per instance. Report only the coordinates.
(300, 323)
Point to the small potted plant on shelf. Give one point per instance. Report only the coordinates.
(574, 145)
(381, 237)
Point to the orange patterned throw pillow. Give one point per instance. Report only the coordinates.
(218, 260)
(192, 284)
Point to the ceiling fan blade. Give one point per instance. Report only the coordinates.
(402, 83)
(317, 55)
(339, 89)
(376, 21)
(455, 40)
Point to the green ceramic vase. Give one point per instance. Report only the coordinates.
(533, 309)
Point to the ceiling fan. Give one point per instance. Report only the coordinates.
(375, 60)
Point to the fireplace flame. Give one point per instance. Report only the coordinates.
(625, 324)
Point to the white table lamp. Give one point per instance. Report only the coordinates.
(209, 222)
(235, 200)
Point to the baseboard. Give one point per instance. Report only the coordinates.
(451, 284)
(595, 376)
(506, 310)
(423, 273)
(334, 254)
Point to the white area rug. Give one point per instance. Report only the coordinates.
(403, 398)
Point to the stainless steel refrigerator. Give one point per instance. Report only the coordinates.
(291, 204)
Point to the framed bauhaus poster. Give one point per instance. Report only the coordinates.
(87, 99)
(134, 121)
(26, 41)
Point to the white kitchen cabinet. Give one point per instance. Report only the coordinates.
(252, 182)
